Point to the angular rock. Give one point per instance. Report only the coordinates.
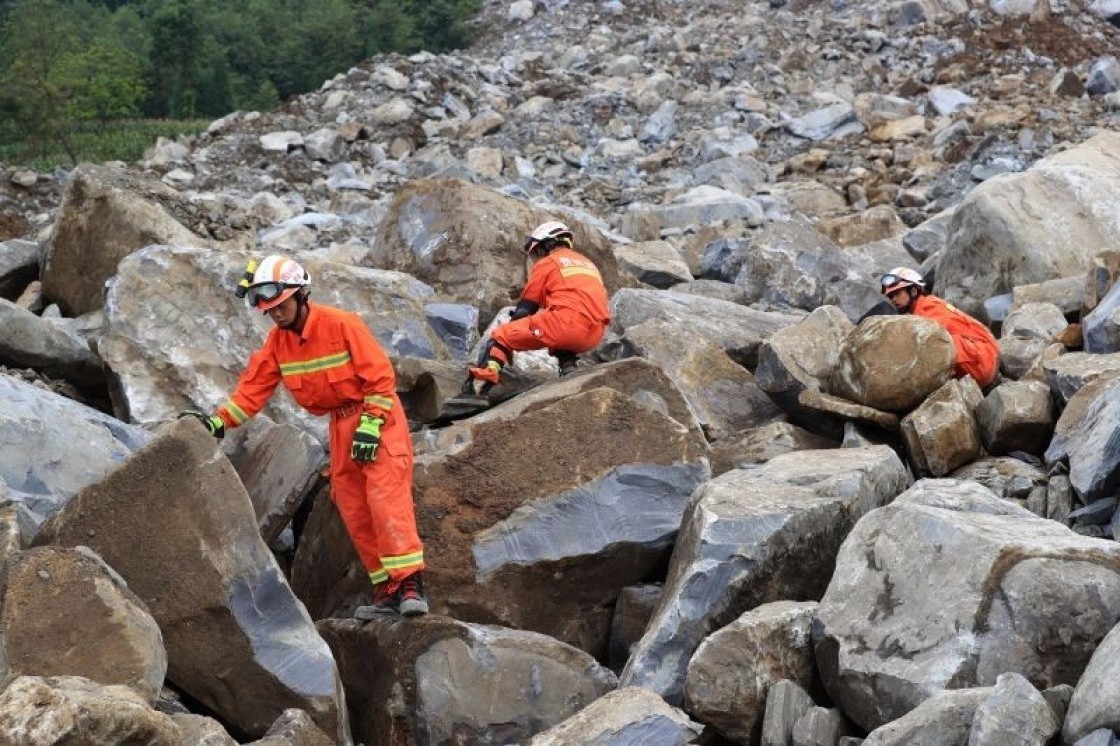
(1007, 477)
(326, 575)
(279, 467)
(465, 240)
(1096, 698)
(38, 461)
(1006, 233)
(628, 715)
(786, 703)
(1086, 436)
(19, 266)
(893, 363)
(325, 144)
(876, 224)
(731, 672)
(753, 536)
(1068, 374)
(71, 709)
(276, 142)
(942, 434)
(516, 545)
(949, 586)
(654, 263)
(945, 719)
(1017, 416)
(1015, 712)
(177, 503)
(722, 393)
(835, 121)
(737, 330)
(792, 265)
(760, 444)
(438, 680)
(1101, 327)
(1067, 293)
(294, 728)
(803, 356)
(31, 341)
(632, 613)
(46, 590)
(820, 726)
(1027, 331)
(105, 215)
(204, 731)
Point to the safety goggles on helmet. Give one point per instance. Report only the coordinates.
(264, 292)
(887, 280)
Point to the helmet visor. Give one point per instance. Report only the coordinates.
(264, 292)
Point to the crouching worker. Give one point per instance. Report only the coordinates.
(976, 347)
(332, 365)
(563, 308)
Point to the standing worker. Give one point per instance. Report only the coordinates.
(976, 347)
(331, 363)
(563, 308)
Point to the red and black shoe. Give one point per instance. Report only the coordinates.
(410, 596)
(384, 602)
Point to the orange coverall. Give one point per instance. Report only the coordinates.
(977, 348)
(573, 311)
(335, 366)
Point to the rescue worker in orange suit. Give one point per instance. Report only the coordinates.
(331, 363)
(563, 308)
(977, 349)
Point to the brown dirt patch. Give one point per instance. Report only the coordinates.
(1052, 38)
(13, 226)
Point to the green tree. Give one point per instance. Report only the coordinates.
(62, 66)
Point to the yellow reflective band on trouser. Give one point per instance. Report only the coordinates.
(570, 271)
(378, 576)
(314, 366)
(403, 561)
(237, 413)
(379, 401)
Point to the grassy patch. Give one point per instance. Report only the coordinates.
(123, 140)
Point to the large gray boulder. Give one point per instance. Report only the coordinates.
(39, 464)
(465, 240)
(945, 719)
(105, 215)
(950, 586)
(516, 525)
(237, 639)
(738, 330)
(1042, 224)
(752, 536)
(437, 680)
(792, 265)
(723, 394)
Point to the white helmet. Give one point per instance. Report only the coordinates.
(546, 234)
(901, 277)
(276, 279)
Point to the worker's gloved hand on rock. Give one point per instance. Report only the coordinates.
(367, 437)
(213, 423)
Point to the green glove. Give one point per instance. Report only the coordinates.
(366, 439)
(213, 423)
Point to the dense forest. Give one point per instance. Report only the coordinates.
(74, 68)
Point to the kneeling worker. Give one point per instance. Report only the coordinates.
(977, 349)
(563, 308)
(331, 363)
